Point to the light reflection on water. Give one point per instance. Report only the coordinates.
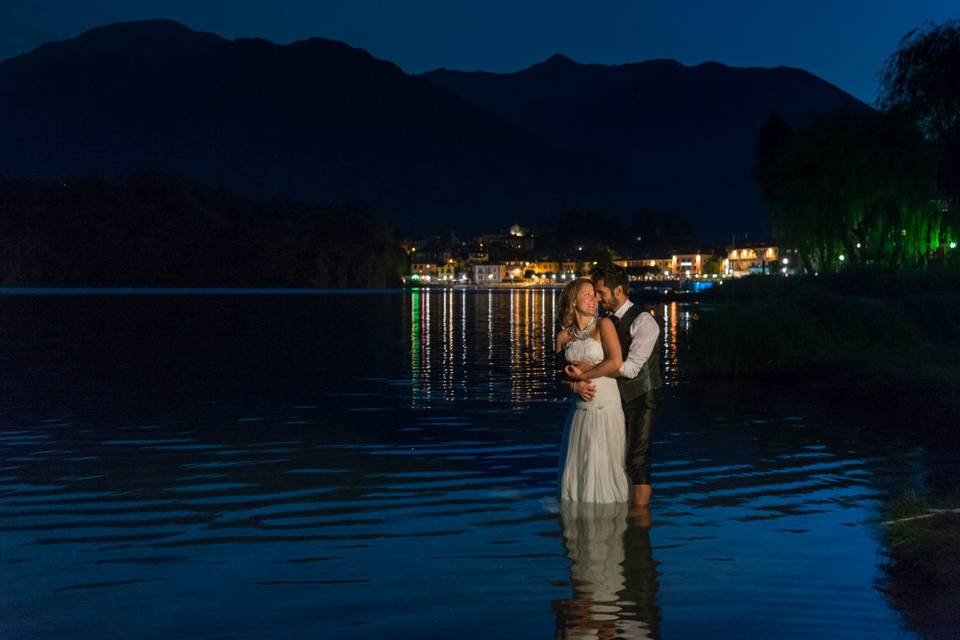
(447, 324)
(275, 466)
(440, 341)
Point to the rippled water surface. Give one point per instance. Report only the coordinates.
(383, 465)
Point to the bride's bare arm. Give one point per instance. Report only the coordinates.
(612, 360)
(563, 337)
(561, 341)
(582, 388)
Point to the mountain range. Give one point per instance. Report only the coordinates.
(321, 121)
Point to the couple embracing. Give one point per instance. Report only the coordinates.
(611, 365)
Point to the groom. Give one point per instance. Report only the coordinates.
(638, 378)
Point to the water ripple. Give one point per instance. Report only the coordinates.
(402, 483)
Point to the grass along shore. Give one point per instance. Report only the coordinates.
(921, 571)
(887, 341)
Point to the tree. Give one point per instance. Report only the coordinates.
(920, 82)
(713, 265)
(601, 259)
(160, 229)
(857, 185)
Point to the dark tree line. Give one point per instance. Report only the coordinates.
(159, 229)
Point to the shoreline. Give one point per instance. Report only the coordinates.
(659, 291)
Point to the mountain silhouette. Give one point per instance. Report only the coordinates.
(322, 121)
(315, 120)
(678, 138)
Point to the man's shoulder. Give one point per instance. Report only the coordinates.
(630, 309)
(645, 317)
(634, 312)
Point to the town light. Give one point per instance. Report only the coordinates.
(953, 245)
(842, 257)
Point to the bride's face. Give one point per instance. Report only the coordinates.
(587, 300)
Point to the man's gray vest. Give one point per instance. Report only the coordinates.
(648, 378)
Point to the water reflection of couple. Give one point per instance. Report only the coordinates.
(611, 364)
(612, 367)
(612, 574)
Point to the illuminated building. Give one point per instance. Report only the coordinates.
(447, 271)
(424, 269)
(489, 273)
(753, 258)
(688, 265)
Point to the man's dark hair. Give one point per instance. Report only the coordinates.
(614, 278)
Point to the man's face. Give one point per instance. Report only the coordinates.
(606, 296)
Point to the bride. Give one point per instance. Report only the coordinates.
(592, 451)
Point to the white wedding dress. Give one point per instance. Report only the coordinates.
(594, 437)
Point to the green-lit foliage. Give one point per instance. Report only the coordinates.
(860, 185)
(919, 84)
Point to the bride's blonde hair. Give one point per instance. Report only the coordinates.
(568, 301)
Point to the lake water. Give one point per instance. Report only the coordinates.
(383, 465)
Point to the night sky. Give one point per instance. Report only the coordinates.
(843, 41)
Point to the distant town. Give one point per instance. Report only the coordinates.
(513, 257)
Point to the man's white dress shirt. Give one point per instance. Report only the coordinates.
(643, 337)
